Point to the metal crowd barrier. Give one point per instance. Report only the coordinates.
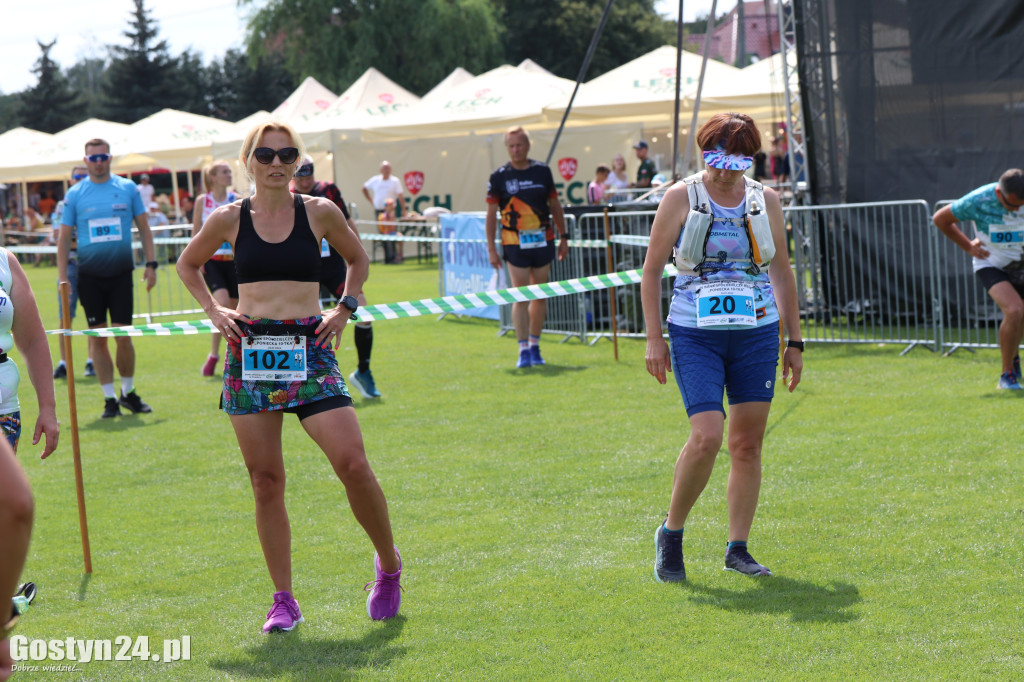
(970, 317)
(564, 313)
(865, 273)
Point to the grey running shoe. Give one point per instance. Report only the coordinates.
(668, 557)
(90, 371)
(739, 560)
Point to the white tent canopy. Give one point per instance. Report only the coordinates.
(308, 98)
(643, 88)
(371, 99)
(456, 78)
(533, 67)
(492, 101)
(23, 140)
(758, 90)
(175, 139)
(242, 126)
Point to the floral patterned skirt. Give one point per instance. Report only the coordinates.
(323, 379)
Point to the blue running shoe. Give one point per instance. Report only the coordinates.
(738, 559)
(524, 359)
(668, 556)
(535, 357)
(1016, 367)
(1008, 381)
(363, 381)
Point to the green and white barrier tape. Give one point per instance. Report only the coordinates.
(180, 241)
(369, 236)
(393, 311)
(630, 239)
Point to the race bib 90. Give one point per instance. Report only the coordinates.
(1005, 235)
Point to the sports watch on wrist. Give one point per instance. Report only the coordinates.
(799, 345)
(349, 302)
(153, 264)
(352, 304)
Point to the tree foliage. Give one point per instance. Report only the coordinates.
(86, 77)
(10, 111)
(53, 103)
(418, 42)
(137, 75)
(557, 33)
(238, 86)
(414, 42)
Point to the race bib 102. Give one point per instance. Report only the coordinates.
(274, 358)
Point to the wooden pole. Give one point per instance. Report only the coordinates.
(611, 290)
(65, 291)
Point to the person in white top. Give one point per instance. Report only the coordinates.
(219, 271)
(146, 190)
(156, 216)
(382, 187)
(617, 179)
(378, 190)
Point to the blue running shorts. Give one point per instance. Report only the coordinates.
(740, 362)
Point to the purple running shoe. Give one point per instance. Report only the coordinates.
(385, 592)
(284, 615)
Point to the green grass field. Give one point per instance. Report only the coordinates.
(525, 504)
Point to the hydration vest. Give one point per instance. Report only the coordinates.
(690, 251)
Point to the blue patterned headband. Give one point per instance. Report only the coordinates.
(717, 158)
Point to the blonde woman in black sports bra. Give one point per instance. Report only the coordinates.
(280, 359)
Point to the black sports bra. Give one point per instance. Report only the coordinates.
(296, 259)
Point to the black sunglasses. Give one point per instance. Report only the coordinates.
(304, 171)
(265, 155)
(98, 158)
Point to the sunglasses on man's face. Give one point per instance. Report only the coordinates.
(98, 158)
(265, 155)
(79, 176)
(304, 171)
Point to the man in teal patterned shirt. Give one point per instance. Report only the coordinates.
(997, 254)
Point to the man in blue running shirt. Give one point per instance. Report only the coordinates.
(101, 210)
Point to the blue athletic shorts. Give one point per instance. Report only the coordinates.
(740, 362)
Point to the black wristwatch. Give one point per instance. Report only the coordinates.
(349, 302)
(799, 345)
(153, 264)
